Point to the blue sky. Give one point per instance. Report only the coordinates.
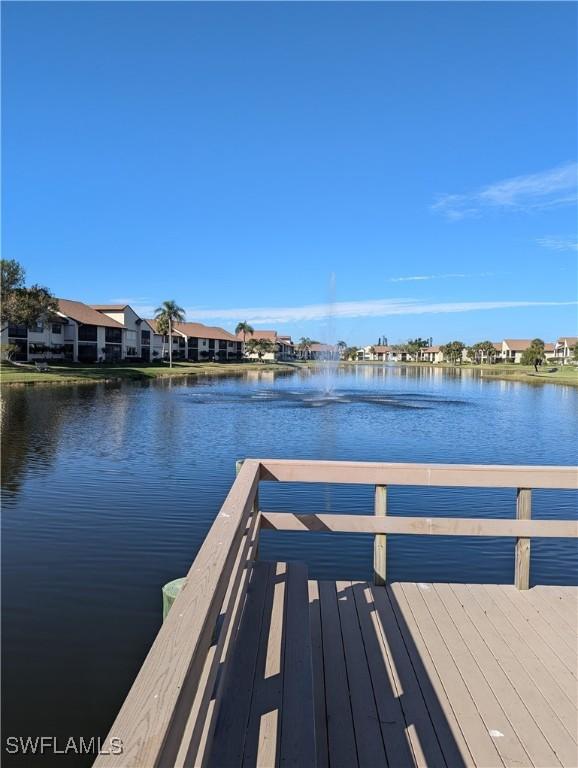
(403, 168)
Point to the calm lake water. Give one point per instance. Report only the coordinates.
(109, 490)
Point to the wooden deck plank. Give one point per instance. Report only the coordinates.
(499, 727)
(340, 732)
(535, 667)
(298, 714)
(425, 746)
(537, 747)
(559, 624)
(368, 738)
(528, 635)
(262, 739)
(231, 728)
(556, 735)
(566, 613)
(540, 623)
(469, 734)
(318, 676)
(387, 695)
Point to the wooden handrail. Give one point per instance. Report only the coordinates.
(179, 652)
(179, 667)
(457, 475)
(420, 526)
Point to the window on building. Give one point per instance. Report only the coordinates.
(87, 353)
(87, 333)
(37, 327)
(145, 337)
(56, 328)
(113, 335)
(17, 331)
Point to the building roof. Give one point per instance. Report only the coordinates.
(153, 325)
(380, 349)
(518, 345)
(436, 348)
(198, 330)
(569, 340)
(109, 307)
(86, 315)
(258, 333)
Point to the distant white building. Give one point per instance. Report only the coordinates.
(513, 349)
(283, 349)
(564, 348)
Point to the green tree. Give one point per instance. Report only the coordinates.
(487, 349)
(260, 347)
(244, 328)
(20, 305)
(168, 313)
(534, 355)
(350, 353)
(341, 347)
(414, 346)
(453, 351)
(473, 353)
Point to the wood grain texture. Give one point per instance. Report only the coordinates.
(380, 543)
(522, 554)
(458, 475)
(182, 644)
(419, 526)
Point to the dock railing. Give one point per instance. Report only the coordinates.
(167, 717)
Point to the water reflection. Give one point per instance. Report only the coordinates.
(109, 491)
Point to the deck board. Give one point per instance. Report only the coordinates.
(497, 724)
(511, 701)
(557, 641)
(507, 659)
(527, 635)
(387, 696)
(344, 674)
(340, 732)
(468, 734)
(368, 738)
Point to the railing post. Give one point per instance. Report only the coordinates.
(523, 512)
(379, 546)
(238, 465)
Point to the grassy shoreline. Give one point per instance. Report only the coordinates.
(77, 374)
(567, 375)
(92, 374)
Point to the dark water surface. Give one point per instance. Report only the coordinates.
(109, 490)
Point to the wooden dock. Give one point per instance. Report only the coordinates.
(257, 665)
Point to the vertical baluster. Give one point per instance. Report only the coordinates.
(523, 512)
(238, 465)
(379, 546)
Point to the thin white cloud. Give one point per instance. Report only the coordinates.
(536, 191)
(412, 278)
(352, 309)
(557, 243)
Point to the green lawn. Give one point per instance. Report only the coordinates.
(567, 374)
(72, 374)
(564, 374)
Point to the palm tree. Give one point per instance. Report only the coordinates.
(168, 313)
(244, 328)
